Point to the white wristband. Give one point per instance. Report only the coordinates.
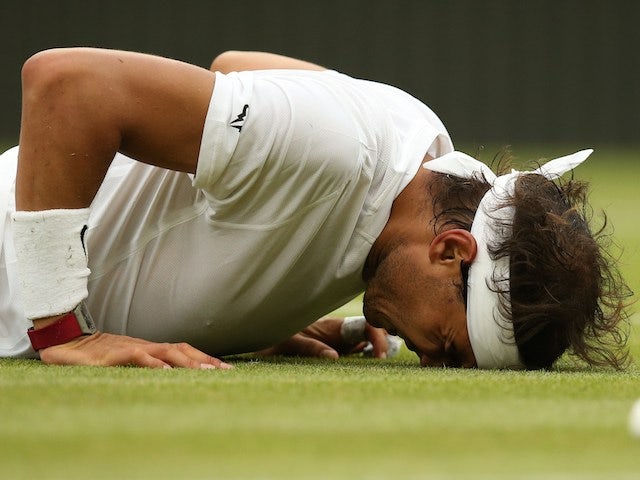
(352, 330)
(52, 261)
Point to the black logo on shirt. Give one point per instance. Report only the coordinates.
(82, 234)
(239, 121)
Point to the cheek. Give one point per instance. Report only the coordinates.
(402, 290)
(386, 282)
(418, 327)
(424, 313)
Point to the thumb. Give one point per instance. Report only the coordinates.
(378, 339)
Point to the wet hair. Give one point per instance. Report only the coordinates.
(564, 291)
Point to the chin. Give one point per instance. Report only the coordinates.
(367, 310)
(376, 317)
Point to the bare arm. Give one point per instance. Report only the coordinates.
(81, 106)
(237, 61)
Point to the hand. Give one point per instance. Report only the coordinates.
(104, 349)
(324, 339)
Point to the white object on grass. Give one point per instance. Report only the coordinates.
(352, 331)
(394, 344)
(634, 419)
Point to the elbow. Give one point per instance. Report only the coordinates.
(227, 61)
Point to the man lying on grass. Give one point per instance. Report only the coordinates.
(189, 212)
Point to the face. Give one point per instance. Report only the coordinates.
(411, 296)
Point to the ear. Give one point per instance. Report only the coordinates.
(453, 246)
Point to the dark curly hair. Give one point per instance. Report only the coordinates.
(564, 291)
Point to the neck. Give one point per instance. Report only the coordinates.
(410, 214)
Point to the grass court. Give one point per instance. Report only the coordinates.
(354, 418)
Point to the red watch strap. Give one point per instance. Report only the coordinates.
(61, 331)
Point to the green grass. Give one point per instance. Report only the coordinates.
(354, 418)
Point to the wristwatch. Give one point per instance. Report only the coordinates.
(73, 325)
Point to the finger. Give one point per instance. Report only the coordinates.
(303, 346)
(205, 360)
(378, 339)
(144, 359)
(358, 348)
(114, 355)
(310, 347)
(327, 330)
(174, 355)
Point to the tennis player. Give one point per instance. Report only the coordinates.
(160, 214)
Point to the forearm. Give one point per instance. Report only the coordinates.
(81, 106)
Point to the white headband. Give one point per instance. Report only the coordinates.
(491, 335)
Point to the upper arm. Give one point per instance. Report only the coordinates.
(236, 61)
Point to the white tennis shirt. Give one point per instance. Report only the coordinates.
(296, 177)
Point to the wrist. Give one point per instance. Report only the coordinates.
(51, 331)
(40, 323)
(352, 330)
